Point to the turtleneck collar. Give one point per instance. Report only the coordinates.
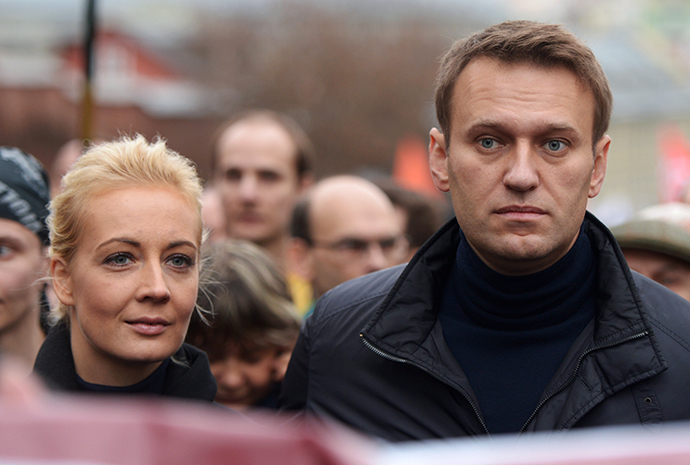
(529, 302)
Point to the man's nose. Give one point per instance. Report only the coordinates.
(248, 187)
(521, 173)
(376, 258)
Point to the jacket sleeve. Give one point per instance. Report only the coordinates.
(294, 389)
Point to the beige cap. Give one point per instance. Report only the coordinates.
(663, 228)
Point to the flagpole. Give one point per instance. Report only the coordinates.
(87, 96)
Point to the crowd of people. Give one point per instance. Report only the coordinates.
(353, 299)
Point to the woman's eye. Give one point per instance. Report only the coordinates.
(180, 261)
(118, 259)
(555, 145)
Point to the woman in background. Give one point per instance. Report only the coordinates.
(253, 325)
(24, 198)
(126, 235)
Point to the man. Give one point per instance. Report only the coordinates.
(345, 227)
(262, 162)
(520, 314)
(24, 196)
(656, 243)
(419, 214)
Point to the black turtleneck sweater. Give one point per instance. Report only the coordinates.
(510, 333)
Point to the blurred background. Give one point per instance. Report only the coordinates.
(356, 74)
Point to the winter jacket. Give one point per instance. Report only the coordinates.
(373, 354)
(188, 376)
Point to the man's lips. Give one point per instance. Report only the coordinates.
(520, 212)
(249, 218)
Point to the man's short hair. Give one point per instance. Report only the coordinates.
(304, 154)
(299, 224)
(424, 215)
(514, 42)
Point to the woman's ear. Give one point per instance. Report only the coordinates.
(62, 284)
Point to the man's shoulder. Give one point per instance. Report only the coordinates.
(364, 293)
(667, 312)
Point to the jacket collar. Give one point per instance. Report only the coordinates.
(405, 325)
(188, 374)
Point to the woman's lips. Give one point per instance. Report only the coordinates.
(149, 326)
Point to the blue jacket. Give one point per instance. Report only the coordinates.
(373, 354)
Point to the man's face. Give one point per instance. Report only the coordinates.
(671, 272)
(354, 233)
(257, 178)
(519, 165)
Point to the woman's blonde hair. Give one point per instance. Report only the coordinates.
(125, 162)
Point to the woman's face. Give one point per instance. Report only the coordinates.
(132, 283)
(245, 377)
(22, 265)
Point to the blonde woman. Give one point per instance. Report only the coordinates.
(125, 235)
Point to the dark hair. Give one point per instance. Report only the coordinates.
(299, 223)
(424, 215)
(305, 154)
(248, 301)
(547, 45)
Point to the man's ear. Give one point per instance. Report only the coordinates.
(62, 284)
(601, 154)
(438, 160)
(300, 259)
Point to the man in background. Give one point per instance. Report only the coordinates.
(343, 228)
(262, 162)
(656, 243)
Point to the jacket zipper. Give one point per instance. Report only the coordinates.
(573, 376)
(570, 380)
(392, 358)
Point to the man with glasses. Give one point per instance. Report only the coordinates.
(345, 227)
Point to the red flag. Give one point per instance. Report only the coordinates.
(674, 161)
(411, 166)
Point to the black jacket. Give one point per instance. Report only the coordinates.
(373, 354)
(188, 377)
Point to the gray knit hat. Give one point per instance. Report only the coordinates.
(663, 228)
(24, 193)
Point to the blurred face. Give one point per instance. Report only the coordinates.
(353, 233)
(664, 269)
(132, 283)
(22, 263)
(245, 377)
(518, 162)
(257, 178)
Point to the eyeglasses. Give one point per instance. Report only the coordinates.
(393, 248)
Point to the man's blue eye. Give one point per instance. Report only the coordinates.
(487, 143)
(555, 145)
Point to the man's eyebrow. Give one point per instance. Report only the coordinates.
(543, 127)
